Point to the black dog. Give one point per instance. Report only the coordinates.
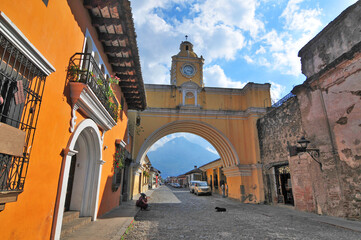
(220, 209)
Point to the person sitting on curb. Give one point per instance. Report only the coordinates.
(142, 202)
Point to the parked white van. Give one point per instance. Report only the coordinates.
(191, 186)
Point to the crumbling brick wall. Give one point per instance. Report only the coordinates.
(331, 113)
(278, 129)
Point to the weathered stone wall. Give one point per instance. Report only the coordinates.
(302, 176)
(331, 115)
(330, 105)
(278, 129)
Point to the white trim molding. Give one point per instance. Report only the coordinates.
(88, 132)
(190, 87)
(18, 39)
(89, 103)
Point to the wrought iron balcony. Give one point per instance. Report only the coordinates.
(21, 88)
(84, 69)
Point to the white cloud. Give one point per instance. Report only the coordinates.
(189, 136)
(219, 30)
(279, 49)
(306, 20)
(277, 91)
(212, 150)
(234, 13)
(261, 50)
(214, 76)
(274, 40)
(161, 142)
(248, 59)
(216, 28)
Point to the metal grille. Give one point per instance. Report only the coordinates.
(284, 99)
(83, 68)
(21, 89)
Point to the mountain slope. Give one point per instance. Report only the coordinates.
(179, 156)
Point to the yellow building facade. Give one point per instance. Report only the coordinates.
(141, 177)
(213, 173)
(225, 117)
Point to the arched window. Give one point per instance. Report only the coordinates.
(189, 99)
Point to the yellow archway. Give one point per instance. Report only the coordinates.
(225, 117)
(220, 142)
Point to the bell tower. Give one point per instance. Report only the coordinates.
(187, 74)
(186, 66)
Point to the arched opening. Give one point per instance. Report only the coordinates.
(81, 177)
(182, 158)
(179, 153)
(222, 145)
(81, 173)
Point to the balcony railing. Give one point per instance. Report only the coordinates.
(83, 68)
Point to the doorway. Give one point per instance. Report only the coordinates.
(69, 189)
(215, 179)
(140, 183)
(284, 185)
(81, 174)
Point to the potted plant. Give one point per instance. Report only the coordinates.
(145, 173)
(119, 159)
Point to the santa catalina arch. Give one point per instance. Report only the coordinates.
(226, 117)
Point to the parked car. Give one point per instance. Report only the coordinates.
(202, 188)
(191, 186)
(176, 185)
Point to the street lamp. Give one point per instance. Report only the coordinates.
(313, 152)
(303, 143)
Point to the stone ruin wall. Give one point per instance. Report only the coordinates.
(330, 104)
(278, 129)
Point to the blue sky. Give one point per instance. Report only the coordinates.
(241, 40)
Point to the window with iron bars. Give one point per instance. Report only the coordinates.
(21, 89)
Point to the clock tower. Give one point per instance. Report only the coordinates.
(187, 73)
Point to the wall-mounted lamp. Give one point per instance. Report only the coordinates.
(137, 121)
(313, 152)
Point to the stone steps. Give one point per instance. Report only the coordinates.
(70, 216)
(72, 222)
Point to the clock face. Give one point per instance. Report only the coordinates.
(188, 70)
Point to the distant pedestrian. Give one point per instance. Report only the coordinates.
(142, 202)
(223, 190)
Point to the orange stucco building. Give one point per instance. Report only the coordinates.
(64, 139)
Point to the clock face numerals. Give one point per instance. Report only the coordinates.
(188, 70)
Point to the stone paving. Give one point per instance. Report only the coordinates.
(178, 214)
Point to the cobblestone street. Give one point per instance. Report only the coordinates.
(178, 214)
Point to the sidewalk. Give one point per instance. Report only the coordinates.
(111, 226)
